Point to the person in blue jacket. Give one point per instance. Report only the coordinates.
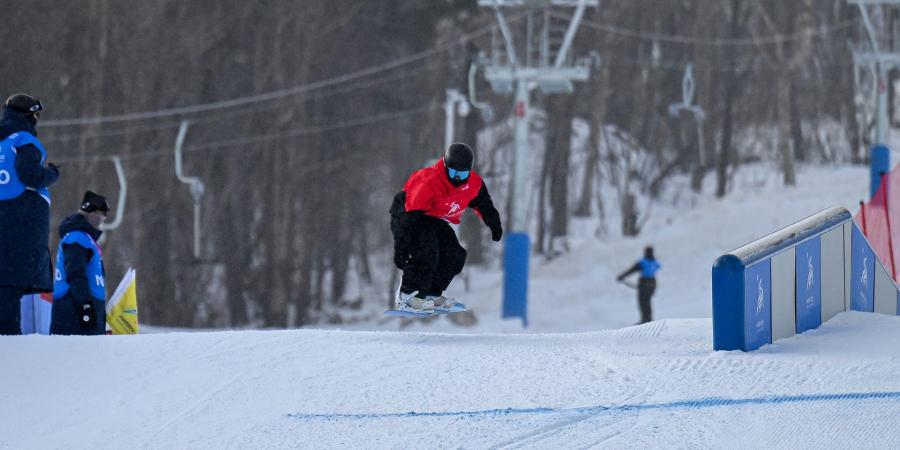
(647, 266)
(25, 176)
(79, 288)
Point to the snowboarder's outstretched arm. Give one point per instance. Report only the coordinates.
(636, 267)
(485, 207)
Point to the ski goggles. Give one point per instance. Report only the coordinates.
(457, 174)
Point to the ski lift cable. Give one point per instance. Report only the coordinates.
(244, 111)
(707, 66)
(309, 130)
(737, 42)
(273, 95)
(152, 154)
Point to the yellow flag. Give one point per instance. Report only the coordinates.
(121, 308)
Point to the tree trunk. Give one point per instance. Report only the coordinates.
(796, 127)
(729, 96)
(541, 244)
(560, 140)
(597, 106)
(472, 230)
(783, 105)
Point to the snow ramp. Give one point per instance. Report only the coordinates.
(659, 385)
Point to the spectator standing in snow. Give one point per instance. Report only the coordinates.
(425, 246)
(79, 290)
(647, 266)
(25, 176)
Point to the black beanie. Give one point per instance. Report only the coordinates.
(94, 202)
(24, 103)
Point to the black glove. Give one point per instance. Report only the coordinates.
(53, 167)
(496, 232)
(87, 315)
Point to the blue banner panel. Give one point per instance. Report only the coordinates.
(809, 284)
(515, 276)
(862, 273)
(758, 305)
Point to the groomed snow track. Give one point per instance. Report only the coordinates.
(653, 386)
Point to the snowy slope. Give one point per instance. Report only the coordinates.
(654, 386)
(578, 291)
(491, 385)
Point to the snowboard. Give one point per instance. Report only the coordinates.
(436, 312)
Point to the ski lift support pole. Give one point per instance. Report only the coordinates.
(518, 76)
(880, 153)
(196, 185)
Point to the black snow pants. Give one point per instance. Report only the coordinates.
(10, 308)
(646, 287)
(435, 258)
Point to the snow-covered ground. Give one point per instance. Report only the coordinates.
(574, 379)
(657, 385)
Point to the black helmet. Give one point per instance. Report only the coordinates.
(458, 159)
(459, 156)
(24, 103)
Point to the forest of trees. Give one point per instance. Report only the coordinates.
(297, 186)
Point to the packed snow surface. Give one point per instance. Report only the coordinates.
(578, 377)
(658, 385)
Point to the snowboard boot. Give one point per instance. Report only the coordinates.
(442, 302)
(411, 301)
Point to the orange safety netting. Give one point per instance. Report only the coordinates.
(877, 216)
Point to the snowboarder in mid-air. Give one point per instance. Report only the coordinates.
(647, 266)
(425, 246)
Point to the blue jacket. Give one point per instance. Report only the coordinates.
(25, 219)
(646, 266)
(79, 278)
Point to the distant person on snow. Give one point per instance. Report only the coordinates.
(425, 246)
(79, 292)
(647, 266)
(25, 176)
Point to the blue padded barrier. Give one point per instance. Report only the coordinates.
(821, 260)
(515, 276)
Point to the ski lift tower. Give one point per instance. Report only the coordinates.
(533, 54)
(877, 53)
